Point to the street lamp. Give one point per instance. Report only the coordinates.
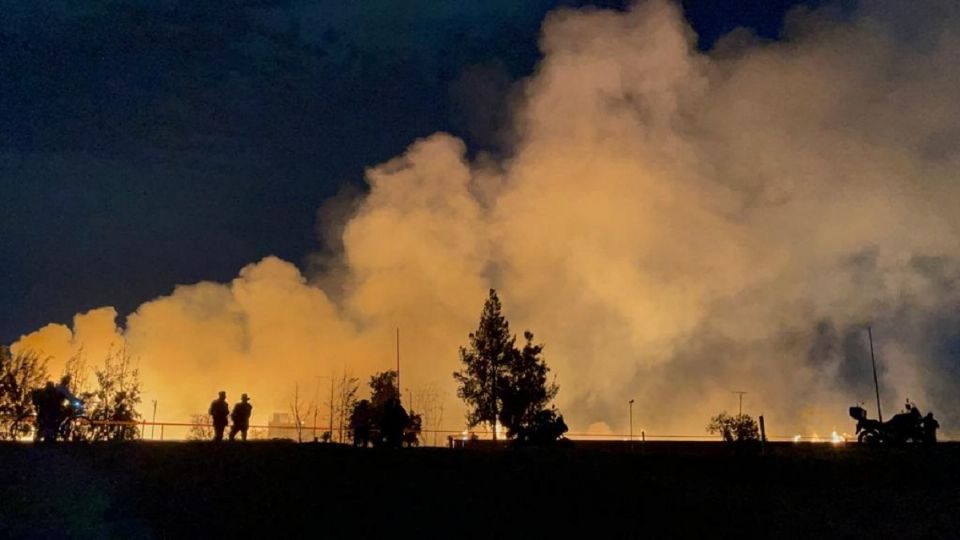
(631, 424)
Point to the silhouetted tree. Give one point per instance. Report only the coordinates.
(502, 383)
(75, 369)
(361, 423)
(525, 392)
(734, 429)
(382, 420)
(545, 427)
(116, 398)
(383, 388)
(429, 404)
(411, 434)
(346, 389)
(485, 363)
(392, 422)
(200, 429)
(19, 374)
(300, 410)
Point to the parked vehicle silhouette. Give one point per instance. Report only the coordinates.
(902, 428)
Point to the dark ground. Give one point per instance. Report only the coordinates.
(276, 489)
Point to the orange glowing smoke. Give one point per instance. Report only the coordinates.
(672, 224)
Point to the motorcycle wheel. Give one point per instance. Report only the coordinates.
(76, 429)
(870, 437)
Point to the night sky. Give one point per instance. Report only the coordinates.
(146, 144)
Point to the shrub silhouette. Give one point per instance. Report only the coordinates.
(740, 428)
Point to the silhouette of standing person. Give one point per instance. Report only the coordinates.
(48, 402)
(241, 417)
(930, 426)
(219, 411)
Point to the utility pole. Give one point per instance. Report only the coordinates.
(153, 427)
(398, 366)
(631, 424)
(763, 434)
(876, 384)
(740, 413)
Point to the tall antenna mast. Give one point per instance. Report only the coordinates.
(876, 384)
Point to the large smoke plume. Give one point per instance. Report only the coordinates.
(672, 224)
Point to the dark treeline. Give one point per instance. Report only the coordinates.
(72, 409)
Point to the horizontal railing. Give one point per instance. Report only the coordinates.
(162, 431)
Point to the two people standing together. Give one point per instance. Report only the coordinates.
(220, 412)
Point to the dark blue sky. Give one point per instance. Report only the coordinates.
(149, 143)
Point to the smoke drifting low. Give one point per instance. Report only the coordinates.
(672, 224)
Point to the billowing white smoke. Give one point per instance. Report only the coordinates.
(673, 225)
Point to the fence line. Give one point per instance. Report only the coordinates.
(466, 434)
(461, 434)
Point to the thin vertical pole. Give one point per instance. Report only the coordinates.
(631, 424)
(876, 383)
(763, 434)
(316, 407)
(398, 365)
(153, 427)
(331, 406)
(494, 391)
(741, 393)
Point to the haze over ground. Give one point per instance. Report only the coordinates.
(673, 224)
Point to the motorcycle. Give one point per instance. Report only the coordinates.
(902, 428)
(75, 426)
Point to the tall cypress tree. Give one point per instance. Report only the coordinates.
(485, 365)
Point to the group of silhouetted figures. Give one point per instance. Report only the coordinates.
(54, 403)
(240, 415)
